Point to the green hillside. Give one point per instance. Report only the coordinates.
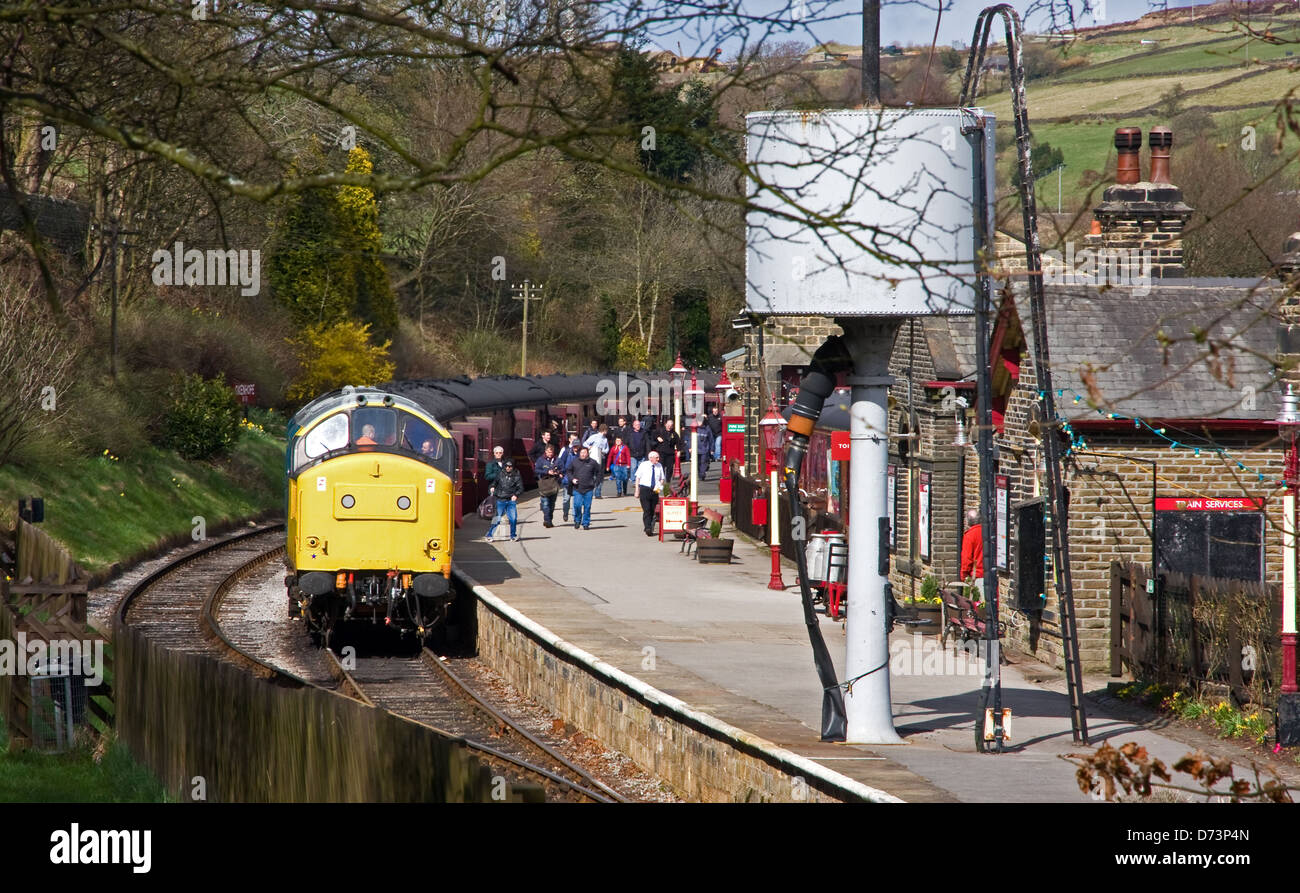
(1107, 78)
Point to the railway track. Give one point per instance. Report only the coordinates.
(426, 690)
(180, 606)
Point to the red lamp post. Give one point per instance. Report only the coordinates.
(1288, 421)
(772, 427)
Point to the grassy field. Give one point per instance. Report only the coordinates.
(107, 509)
(79, 776)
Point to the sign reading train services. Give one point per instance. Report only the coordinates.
(1179, 504)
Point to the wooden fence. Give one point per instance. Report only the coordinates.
(744, 491)
(202, 724)
(1191, 630)
(42, 560)
(46, 604)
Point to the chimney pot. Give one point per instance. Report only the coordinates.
(1161, 141)
(1128, 140)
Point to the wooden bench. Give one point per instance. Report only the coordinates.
(962, 620)
(695, 529)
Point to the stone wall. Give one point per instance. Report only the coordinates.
(699, 757)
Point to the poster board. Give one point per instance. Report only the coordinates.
(672, 516)
(1003, 487)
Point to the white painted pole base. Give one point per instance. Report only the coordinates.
(867, 704)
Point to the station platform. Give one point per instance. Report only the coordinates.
(717, 638)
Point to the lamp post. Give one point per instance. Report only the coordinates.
(695, 412)
(678, 372)
(724, 384)
(1288, 421)
(773, 428)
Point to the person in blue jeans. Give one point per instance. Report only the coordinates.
(567, 457)
(582, 476)
(507, 490)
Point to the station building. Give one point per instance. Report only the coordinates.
(1167, 395)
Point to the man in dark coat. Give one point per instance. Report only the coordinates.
(638, 444)
(583, 474)
(507, 489)
(535, 452)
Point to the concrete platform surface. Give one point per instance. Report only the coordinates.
(719, 639)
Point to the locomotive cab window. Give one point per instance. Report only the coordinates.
(418, 436)
(374, 427)
(329, 435)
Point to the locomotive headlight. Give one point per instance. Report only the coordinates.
(348, 501)
(403, 502)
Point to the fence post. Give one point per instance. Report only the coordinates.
(1116, 660)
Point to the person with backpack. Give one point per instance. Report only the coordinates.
(562, 462)
(583, 475)
(508, 488)
(620, 466)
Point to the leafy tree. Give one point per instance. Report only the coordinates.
(338, 355)
(632, 353)
(1043, 157)
(202, 418)
(680, 125)
(325, 262)
(362, 241)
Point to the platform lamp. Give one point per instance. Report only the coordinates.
(1288, 708)
(695, 415)
(678, 372)
(772, 427)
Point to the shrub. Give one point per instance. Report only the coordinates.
(334, 356)
(632, 353)
(929, 587)
(715, 529)
(202, 418)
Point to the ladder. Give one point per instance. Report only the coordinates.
(1056, 509)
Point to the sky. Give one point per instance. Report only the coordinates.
(901, 21)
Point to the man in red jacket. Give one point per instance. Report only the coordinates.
(972, 552)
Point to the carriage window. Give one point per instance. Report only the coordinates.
(374, 427)
(418, 436)
(329, 435)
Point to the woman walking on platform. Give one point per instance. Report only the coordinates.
(620, 466)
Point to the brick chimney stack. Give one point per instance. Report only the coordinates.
(1144, 215)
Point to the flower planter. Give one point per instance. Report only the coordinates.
(711, 551)
(933, 613)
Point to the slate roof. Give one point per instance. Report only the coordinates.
(951, 340)
(1115, 336)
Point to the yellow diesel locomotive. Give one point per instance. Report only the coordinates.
(370, 502)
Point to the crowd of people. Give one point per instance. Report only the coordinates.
(639, 458)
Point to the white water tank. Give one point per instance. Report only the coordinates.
(901, 182)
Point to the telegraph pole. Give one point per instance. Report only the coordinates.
(870, 52)
(526, 292)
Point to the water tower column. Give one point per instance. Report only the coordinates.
(867, 705)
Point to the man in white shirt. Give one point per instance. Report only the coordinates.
(649, 478)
